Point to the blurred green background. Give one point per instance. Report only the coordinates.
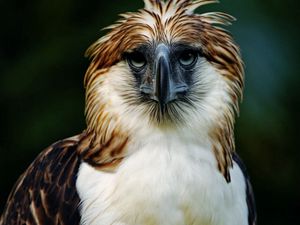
(42, 43)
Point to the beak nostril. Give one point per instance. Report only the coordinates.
(181, 89)
(146, 89)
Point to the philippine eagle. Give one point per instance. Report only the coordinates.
(162, 91)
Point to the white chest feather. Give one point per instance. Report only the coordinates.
(170, 183)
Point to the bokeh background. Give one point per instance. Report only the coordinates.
(42, 44)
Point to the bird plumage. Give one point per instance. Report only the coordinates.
(162, 91)
(168, 22)
(46, 193)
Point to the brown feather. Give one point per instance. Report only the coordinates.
(46, 192)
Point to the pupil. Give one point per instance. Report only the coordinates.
(138, 58)
(187, 58)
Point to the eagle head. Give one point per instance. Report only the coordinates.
(166, 68)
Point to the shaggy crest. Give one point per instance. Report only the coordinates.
(168, 21)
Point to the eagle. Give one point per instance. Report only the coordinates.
(162, 91)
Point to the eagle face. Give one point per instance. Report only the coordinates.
(166, 79)
(162, 73)
(164, 67)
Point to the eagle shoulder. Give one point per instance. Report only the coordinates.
(46, 193)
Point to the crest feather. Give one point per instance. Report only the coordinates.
(150, 4)
(218, 18)
(189, 5)
(193, 5)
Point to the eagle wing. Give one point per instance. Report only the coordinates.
(252, 216)
(46, 193)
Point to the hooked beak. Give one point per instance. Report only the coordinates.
(166, 85)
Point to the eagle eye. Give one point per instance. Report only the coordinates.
(136, 60)
(188, 58)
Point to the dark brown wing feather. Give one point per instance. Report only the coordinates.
(46, 194)
(252, 216)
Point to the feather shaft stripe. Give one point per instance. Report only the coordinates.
(41, 196)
